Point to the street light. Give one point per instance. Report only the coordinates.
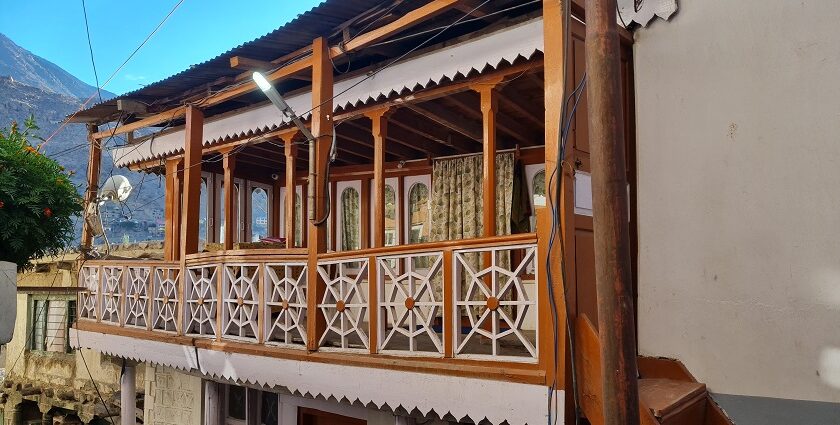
(278, 101)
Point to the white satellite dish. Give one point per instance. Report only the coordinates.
(116, 188)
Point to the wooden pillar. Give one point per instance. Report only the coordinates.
(229, 165)
(93, 171)
(276, 206)
(489, 107)
(364, 219)
(172, 199)
(379, 128)
(290, 151)
(554, 30)
(322, 130)
(193, 132)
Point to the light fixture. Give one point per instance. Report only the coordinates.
(278, 101)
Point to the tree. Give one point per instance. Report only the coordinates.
(38, 203)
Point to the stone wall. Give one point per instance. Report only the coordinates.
(172, 397)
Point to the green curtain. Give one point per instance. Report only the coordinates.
(350, 213)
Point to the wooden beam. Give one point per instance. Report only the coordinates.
(290, 150)
(412, 18)
(523, 109)
(131, 106)
(172, 199)
(194, 134)
(489, 107)
(446, 118)
(523, 135)
(379, 120)
(322, 131)
(361, 134)
(93, 174)
(249, 64)
(412, 121)
(364, 216)
(229, 166)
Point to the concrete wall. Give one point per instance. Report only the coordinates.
(738, 106)
(172, 397)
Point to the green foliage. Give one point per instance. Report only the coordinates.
(37, 200)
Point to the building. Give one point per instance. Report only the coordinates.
(409, 280)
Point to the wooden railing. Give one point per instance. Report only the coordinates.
(473, 299)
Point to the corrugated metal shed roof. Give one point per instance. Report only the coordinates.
(294, 35)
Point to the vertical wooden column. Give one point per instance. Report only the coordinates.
(489, 107)
(364, 219)
(322, 130)
(170, 233)
(229, 166)
(276, 207)
(93, 171)
(379, 128)
(554, 34)
(290, 151)
(194, 135)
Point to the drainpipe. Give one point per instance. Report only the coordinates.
(610, 213)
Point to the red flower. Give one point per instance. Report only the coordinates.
(1, 204)
(47, 212)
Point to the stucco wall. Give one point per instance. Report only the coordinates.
(172, 397)
(738, 113)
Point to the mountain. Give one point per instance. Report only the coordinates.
(33, 86)
(32, 70)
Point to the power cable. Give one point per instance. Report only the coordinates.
(90, 47)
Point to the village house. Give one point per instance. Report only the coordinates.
(430, 253)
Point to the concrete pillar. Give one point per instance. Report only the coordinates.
(213, 401)
(46, 418)
(128, 396)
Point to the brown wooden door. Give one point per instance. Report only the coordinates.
(308, 416)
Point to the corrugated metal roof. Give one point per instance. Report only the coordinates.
(294, 35)
(483, 53)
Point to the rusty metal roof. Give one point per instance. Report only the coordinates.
(294, 35)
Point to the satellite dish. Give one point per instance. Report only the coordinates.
(116, 188)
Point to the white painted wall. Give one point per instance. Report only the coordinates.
(738, 109)
(8, 306)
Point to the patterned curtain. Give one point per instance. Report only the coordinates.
(350, 220)
(457, 196)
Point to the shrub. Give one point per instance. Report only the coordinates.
(38, 203)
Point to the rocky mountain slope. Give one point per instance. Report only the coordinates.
(33, 86)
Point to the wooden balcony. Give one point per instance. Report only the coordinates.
(465, 308)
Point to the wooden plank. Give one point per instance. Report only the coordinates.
(588, 362)
(192, 180)
(322, 130)
(449, 311)
(170, 234)
(290, 150)
(93, 173)
(229, 166)
(373, 300)
(448, 119)
(276, 207)
(379, 119)
(364, 216)
(241, 62)
(489, 107)
(412, 18)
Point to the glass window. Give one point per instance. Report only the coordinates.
(298, 221)
(259, 214)
(50, 322)
(236, 402)
(418, 217)
(539, 188)
(390, 216)
(350, 220)
(39, 325)
(202, 212)
(269, 409)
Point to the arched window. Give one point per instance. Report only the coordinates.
(350, 220)
(259, 214)
(418, 213)
(298, 221)
(390, 216)
(539, 189)
(202, 212)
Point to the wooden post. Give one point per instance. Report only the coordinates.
(170, 232)
(322, 130)
(379, 128)
(193, 132)
(364, 219)
(276, 207)
(554, 30)
(291, 190)
(229, 166)
(613, 277)
(489, 107)
(93, 171)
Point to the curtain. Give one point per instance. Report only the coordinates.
(457, 195)
(350, 220)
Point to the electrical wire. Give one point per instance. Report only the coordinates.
(90, 47)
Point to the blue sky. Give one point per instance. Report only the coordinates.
(197, 31)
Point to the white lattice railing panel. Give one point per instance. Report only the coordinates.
(200, 300)
(137, 296)
(112, 293)
(285, 303)
(89, 280)
(165, 299)
(410, 301)
(345, 305)
(240, 302)
(496, 304)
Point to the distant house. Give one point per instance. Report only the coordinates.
(407, 279)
